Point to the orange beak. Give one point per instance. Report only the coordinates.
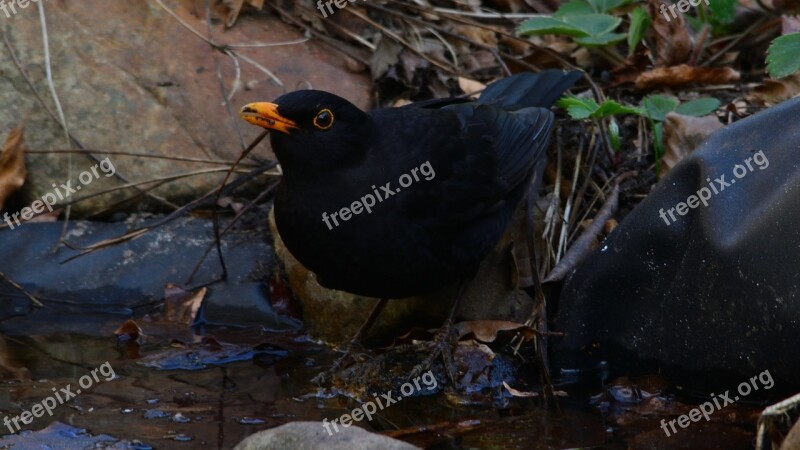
(265, 115)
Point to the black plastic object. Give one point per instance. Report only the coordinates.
(712, 297)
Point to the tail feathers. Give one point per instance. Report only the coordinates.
(529, 89)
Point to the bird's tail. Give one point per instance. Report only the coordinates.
(529, 89)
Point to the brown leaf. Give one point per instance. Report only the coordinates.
(517, 393)
(471, 87)
(673, 43)
(479, 35)
(181, 306)
(235, 8)
(282, 298)
(682, 75)
(682, 135)
(486, 330)
(773, 92)
(12, 163)
(130, 329)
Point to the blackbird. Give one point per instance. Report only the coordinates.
(398, 202)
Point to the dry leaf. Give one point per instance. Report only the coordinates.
(235, 7)
(682, 75)
(673, 43)
(471, 87)
(683, 134)
(12, 163)
(486, 330)
(181, 306)
(130, 329)
(776, 91)
(517, 393)
(479, 35)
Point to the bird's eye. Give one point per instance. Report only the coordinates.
(324, 119)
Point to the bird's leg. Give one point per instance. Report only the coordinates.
(355, 342)
(442, 343)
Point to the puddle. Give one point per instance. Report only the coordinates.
(225, 399)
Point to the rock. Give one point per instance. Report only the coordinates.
(112, 283)
(335, 316)
(131, 78)
(312, 435)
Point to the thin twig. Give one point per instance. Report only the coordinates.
(142, 155)
(61, 118)
(21, 289)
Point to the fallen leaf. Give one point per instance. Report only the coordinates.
(128, 330)
(517, 393)
(235, 8)
(773, 92)
(470, 87)
(682, 75)
(682, 135)
(486, 330)
(12, 163)
(180, 306)
(672, 40)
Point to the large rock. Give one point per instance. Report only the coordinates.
(312, 436)
(110, 285)
(131, 78)
(335, 316)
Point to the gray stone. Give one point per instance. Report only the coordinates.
(312, 436)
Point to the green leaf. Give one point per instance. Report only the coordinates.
(587, 29)
(656, 107)
(596, 41)
(698, 108)
(640, 21)
(594, 24)
(585, 108)
(549, 25)
(574, 8)
(578, 108)
(603, 6)
(783, 56)
(610, 108)
(723, 10)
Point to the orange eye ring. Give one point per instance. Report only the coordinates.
(324, 119)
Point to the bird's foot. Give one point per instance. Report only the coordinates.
(352, 348)
(441, 344)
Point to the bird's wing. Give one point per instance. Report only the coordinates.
(480, 162)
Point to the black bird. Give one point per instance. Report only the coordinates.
(398, 202)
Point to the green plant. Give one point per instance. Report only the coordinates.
(654, 107)
(588, 108)
(590, 25)
(783, 55)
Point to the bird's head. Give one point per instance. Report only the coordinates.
(312, 129)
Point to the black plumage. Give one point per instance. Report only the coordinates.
(477, 159)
